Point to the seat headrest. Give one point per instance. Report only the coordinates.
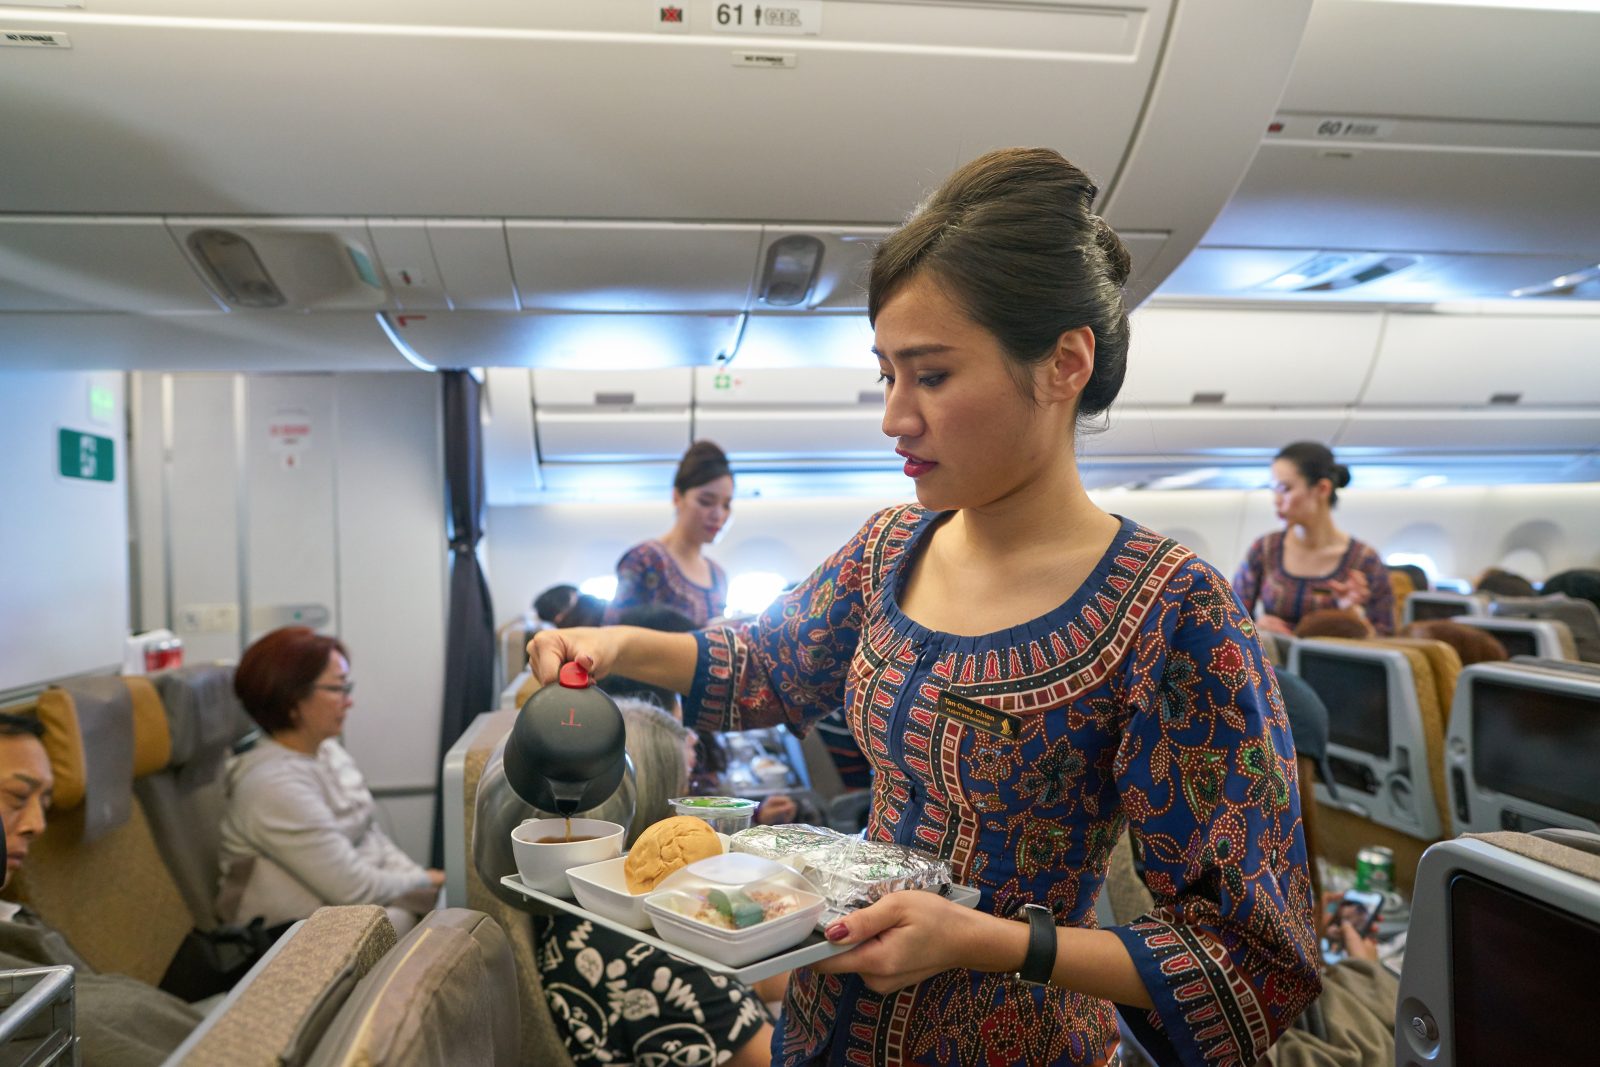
(101, 734)
(205, 716)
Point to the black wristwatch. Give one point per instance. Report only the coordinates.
(1040, 961)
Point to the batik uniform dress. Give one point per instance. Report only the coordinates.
(617, 1000)
(1291, 597)
(648, 576)
(1144, 701)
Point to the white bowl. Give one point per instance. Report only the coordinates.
(734, 948)
(603, 889)
(543, 866)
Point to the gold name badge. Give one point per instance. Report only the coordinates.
(979, 716)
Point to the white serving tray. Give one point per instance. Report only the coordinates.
(815, 947)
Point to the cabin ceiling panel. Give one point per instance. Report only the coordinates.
(68, 263)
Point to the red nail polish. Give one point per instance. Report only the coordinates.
(837, 932)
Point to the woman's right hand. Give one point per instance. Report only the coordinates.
(595, 647)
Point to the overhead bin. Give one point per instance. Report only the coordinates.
(793, 413)
(1565, 430)
(71, 263)
(1237, 358)
(1133, 429)
(563, 340)
(1487, 360)
(600, 417)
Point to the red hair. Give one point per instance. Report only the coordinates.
(279, 671)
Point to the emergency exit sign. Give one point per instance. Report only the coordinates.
(86, 456)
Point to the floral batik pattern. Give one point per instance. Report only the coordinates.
(648, 576)
(620, 1001)
(1145, 703)
(1291, 597)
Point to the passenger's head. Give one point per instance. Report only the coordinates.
(1306, 481)
(650, 617)
(1581, 583)
(1333, 622)
(562, 606)
(1471, 644)
(296, 681)
(27, 786)
(702, 492)
(1497, 582)
(658, 745)
(999, 319)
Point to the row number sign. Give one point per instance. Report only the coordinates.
(787, 17)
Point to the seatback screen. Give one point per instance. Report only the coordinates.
(1356, 692)
(1537, 745)
(1519, 970)
(1422, 610)
(1516, 642)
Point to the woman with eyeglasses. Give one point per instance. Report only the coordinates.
(300, 829)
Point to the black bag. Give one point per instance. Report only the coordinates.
(212, 961)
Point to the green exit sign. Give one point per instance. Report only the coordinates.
(84, 455)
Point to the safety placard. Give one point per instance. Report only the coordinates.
(289, 437)
(786, 17)
(85, 455)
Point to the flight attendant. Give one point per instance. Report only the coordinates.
(672, 571)
(1027, 674)
(1311, 564)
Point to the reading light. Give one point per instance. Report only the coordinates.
(235, 269)
(791, 270)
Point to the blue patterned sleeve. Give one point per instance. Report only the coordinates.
(790, 665)
(1206, 771)
(1247, 580)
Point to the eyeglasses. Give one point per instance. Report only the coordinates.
(343, 688)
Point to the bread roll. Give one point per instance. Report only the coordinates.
(666, 847)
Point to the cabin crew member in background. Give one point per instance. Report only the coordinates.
(1311, 564)
(1026, 672)
(672, 571)
(120, 1022)
(297, 801)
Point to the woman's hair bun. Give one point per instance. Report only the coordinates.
(1341, 476)
(1119, 264)
(704, 462)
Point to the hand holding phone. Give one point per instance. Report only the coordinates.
(1359, 909)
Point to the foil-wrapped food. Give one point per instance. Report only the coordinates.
(849, 872)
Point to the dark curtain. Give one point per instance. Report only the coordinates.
(469, 633)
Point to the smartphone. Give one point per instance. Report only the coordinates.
(1360, 909)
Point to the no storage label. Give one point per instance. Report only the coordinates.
(34, 39)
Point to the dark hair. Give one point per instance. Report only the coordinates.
(279, 671)
(1011, 239)
(1497, 582)
(1471, 644)
(703, 463)
(13, 725)
(1580, 583)
(1333, 622)
(554, 602)
(1315, 462)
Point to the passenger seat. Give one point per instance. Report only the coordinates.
(446, 995)
(278, 1013)
(95, 874)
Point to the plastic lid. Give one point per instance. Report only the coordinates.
(574, 676)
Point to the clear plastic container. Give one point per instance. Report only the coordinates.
(672, 909)
(727, 815)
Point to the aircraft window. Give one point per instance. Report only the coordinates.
(1511, 958)
(1537, 745)
(603, 586)
(752, 592)
(1357, 694)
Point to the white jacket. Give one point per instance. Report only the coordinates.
(314, 817)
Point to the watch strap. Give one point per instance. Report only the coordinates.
(1040, 960)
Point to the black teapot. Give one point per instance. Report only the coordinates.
(567, 751)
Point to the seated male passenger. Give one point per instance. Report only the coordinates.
(1497, 582)
(120, 1022)
(300, 829)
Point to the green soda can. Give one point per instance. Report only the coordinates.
(1375, 869)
